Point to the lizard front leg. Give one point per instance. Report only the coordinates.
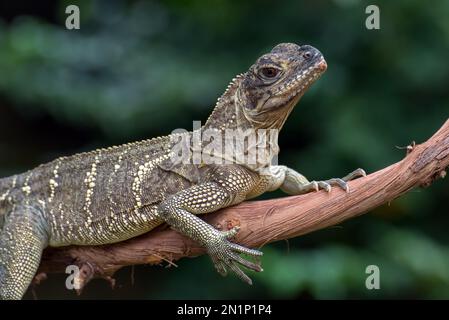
(179, 211)
(294, 183)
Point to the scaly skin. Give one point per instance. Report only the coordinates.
(114, 194)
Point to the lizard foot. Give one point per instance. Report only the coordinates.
(225, 255)
(340, 182)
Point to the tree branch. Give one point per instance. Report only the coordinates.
(265, 221)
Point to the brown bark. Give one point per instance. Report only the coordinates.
(265, 221)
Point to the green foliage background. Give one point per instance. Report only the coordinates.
(138, 69)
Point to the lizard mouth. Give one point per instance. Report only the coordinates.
(302, 81)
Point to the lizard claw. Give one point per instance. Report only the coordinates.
(225, 255)
(327, 184)
(354, 174)
(342, 183)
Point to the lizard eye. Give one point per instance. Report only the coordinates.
(269, 72)
(307, 55)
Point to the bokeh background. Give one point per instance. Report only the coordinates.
(138, 69)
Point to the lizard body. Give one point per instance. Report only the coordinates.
(110, 195)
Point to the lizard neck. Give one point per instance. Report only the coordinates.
(229, 121)
(227, 114)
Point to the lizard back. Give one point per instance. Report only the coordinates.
(112, 190)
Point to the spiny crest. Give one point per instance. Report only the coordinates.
(230, 87)
(224, 98)
(109, 150)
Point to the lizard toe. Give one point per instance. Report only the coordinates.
(231, 233)
(355, 174)
(324, 185)
(225, 256)
(338, 182)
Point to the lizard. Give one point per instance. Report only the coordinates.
(113, 194)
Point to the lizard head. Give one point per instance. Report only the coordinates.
(276, 81)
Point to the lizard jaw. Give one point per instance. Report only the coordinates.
(303, 80)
